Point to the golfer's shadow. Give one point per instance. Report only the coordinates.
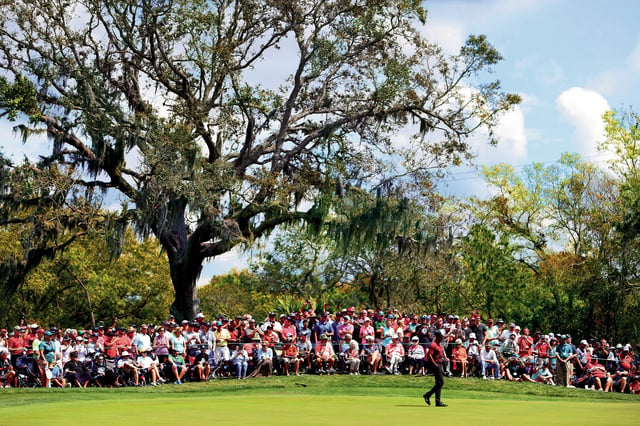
(412, 405)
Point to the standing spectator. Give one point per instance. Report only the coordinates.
(289, 328)
(179, 343)
(4, 340)
(366, 330)
(565, 362)
(16, 345)
(541, 350)
(35, 345)
(525, 344)
(161, 343)
(47, 357)
(345, 327)
(387, 331)
(142, 339)
(222, 341)
(582, 358)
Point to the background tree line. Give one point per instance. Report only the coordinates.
(553, 248)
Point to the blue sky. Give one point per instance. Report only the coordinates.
(570, 61)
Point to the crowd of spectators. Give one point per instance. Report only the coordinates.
(350, 342)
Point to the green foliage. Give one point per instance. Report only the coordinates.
(82, 286)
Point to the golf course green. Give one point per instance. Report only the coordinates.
(312, 400)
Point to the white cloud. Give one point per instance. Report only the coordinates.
(583, 109)
(448, 35)
(512, 135)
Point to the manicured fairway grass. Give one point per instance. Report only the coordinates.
(340, 400)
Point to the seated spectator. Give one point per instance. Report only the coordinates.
(290, 356)
(395, 355)
(352, 358)
(371, 354)
(459, 358)
(541, 374)
(325, 355)
(129, 367)
(264, 358)
(416, 356)
(634, 387)
(304, 350)
(176, 365)
(76, 372)
(200, 367)
(489, 362)
(240, 359)
(149, 365)
(473, 355)
(7, 374)
(620, 379)
(601, 379)
(57, 379)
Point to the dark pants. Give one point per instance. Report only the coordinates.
(436, 370)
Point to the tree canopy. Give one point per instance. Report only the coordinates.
(171, 107)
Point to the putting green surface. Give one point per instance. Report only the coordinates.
(318, 404)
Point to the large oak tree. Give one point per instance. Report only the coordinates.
(213, 120)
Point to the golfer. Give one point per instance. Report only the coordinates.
(434, 364)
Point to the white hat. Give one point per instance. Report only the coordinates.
(200, 315)
(472, 335)
(124, 353)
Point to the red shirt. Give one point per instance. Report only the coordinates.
(436, 352)
(524, 346)
(16, 345)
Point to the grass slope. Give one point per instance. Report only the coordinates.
(343, 400)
